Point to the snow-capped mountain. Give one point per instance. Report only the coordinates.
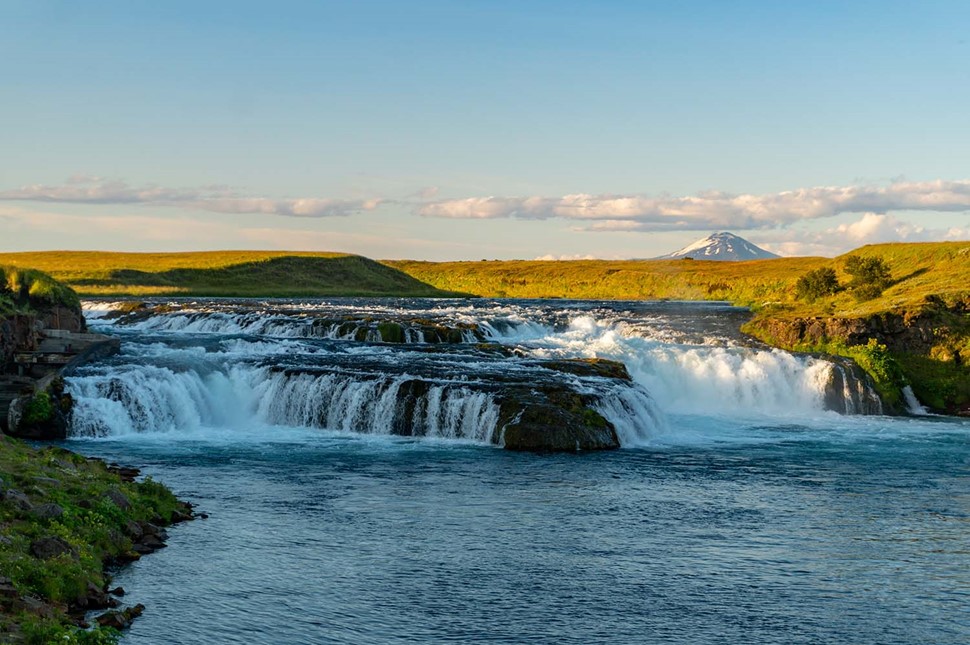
(721, 246)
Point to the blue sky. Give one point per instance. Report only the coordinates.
(467, 130)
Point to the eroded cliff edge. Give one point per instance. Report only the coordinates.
(925, 347)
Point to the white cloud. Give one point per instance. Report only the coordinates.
(712, 210)
(562, 258)
(62, 228)
(871, 228)
(85, 189)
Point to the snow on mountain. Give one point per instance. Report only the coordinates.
(721, 246)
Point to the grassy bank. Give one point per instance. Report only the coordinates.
(916, 332)
(63, 517)
(24, 289)
(223, 273)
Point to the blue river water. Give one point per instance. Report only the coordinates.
(739, 526)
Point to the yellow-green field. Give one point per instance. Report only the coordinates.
(221, 273)
(918, 270)
(742, 282)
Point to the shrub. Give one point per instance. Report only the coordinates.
(870, 276)
(39, 410)
(817, 284)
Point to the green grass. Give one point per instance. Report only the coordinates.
(918, 269)
(91, 523)
(23, 288)
(749, 283)
(223, 273)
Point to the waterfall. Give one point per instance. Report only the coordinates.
(421, 371)
(913, 406)
(149, 399)
(709, 378)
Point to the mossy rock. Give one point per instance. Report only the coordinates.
(391, 332)
(555, 420)
(589, 367)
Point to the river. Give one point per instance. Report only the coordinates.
(348, 504)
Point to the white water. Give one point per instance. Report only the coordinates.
(913, 406)
(134, 399)
(229, 382)
(693, 379)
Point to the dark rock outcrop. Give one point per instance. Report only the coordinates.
(121, 619)
(898, 332)
(589, 367)
(52, 546)
(554, 420)
(850, 390)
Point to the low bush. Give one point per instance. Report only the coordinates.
(817, 284)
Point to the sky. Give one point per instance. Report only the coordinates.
(482, 129)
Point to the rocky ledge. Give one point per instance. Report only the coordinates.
(927, 348)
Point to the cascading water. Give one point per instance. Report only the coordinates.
(706, 377)
(418, 368)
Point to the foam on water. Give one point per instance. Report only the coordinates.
(210, 365)
(715, 380)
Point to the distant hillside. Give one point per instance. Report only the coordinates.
(741, 282)
(223, 273)
(721, 246)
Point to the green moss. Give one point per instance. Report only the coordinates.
(880, 364)
(391, 332)
(45, 631)
(90, 523)
(40, 409)
(593, 419)
(940, 384)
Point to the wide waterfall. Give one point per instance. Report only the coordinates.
(460, 370)
(344, 451)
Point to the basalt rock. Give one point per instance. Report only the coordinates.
(49, 512)
(52, 546)
(118, 498)
(849, 390)
(44, 416)
(555, 420)
(589, 367)
(121, 619)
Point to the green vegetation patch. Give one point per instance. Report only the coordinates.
(62, 517)
(225, 273)
(23, 289)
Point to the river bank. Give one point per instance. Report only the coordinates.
(64, 521)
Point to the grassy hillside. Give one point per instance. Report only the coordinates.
(80, 512)
(749, 283)
(222, 273)
(918, 270)
(920, 325)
